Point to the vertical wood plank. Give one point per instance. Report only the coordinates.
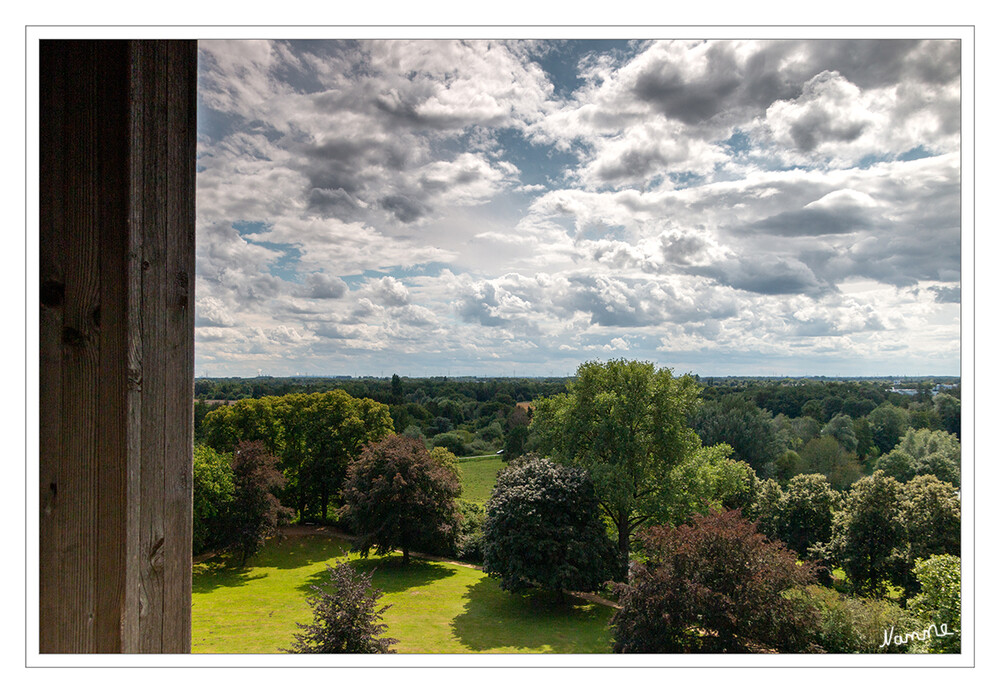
(148, 190)
(181, 58)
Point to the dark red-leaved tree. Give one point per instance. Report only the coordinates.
(398, 496)
(712, 586)
(256, 510)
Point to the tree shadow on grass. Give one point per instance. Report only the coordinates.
(535, 620)
(221, 571)
(224, 570)
(390, 575)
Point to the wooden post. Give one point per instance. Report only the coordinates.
(118, 136)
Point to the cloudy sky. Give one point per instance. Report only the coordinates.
(498, 208)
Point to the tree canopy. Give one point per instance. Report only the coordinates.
(716, 585)
(625, 422)
(544, 529)
(398, 496)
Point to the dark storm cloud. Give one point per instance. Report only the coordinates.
(813, 222)
(947, 294)
(404, 208)
(778, 70)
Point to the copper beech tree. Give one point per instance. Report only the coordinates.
(715, 585)
(399, 497)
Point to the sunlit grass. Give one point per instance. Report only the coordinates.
(479, 475)
(438, 607)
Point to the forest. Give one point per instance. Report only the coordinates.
(655, 488)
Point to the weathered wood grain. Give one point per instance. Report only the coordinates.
(117, 344)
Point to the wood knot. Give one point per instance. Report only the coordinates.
(52, 293)
(73, 337)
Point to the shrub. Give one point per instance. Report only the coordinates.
(939, 602)
(345, 617)
(850, 625)
(716, 585)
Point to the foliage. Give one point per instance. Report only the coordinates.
(869, 533)
(399, 497)
(214, 487)
(807, 512)
(625, 422)
(939, 601)
(768, 509)
(469, 538)
(841, 428)
(949, 410)
(543, 529)
(888, 423)
(924, 452)
(256, 512)
(742, 425)
(931, 511)
(852, 625)
(345, 617)
(314, 436)
(716, 585)
(707, 480)
(516, 436)
(448, 460)
(826, 456)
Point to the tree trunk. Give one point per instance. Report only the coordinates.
(406, 555)
(623, 543)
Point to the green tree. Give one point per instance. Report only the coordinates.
(345, 616)
(716, 585)
(399, 497)
(949, 410)
(625, 422)
(807, 513)
(543, 529)
(932, 514)
(709, 479)
(939, 601)
(924, 451)
(841, 428)
(214, 488)
(869, 534)
(742, 425)
(826, 456)
(888, 423)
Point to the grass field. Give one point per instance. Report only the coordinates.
(438, 607)
(479, 476)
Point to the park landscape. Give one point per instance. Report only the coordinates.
(579, 346)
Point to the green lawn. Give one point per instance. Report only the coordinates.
(479, 476)
(437, 607)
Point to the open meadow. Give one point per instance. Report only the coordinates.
(437, 606)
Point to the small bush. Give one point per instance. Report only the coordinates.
(345, 619)
(849, 625)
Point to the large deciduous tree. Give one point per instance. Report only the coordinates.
(544, 529)
(869, 536)
(398, 496)
(625, 422)
(214, 486)
(716, 585)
